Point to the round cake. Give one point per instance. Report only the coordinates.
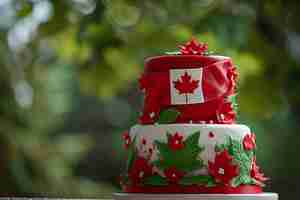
(187, 139)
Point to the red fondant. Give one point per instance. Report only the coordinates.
(249, 142)
(174, 188)
(175, 142)
(222, 169)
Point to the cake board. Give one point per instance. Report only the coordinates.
(141, 196)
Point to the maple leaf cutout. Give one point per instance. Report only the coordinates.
(186, 85)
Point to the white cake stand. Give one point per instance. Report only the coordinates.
(141, 196)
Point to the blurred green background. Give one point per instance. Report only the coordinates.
(68, 79)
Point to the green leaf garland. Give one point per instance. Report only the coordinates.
(233, 100)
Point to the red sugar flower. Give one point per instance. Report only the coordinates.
(232, 75)
(193, 47)
(126, 137)
(222, 169)
(173, 175)
(225, 113)
(249, 142)
(255, 172)
(146, 119)
(140, 169)
(175, 141)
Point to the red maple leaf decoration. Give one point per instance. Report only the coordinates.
(222, 169)
(186, 85)
(140, 170)
(175, 142)
(173, 175)
(193, 47)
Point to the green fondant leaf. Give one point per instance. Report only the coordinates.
(233, 100)
(200, 180)
(225, 145)
(131, 154)
(192, 139)
(185, 159)
(155, 180)
(168, 116)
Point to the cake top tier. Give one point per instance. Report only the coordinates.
(189, 86)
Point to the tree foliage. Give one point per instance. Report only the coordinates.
(54, 53)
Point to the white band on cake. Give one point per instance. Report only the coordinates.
(210, 136)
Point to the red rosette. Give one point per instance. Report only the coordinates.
(193, 47)
(249, 142)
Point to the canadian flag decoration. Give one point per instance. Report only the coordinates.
(186, 86)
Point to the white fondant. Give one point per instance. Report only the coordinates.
(196, 97)
(219, 135)
(217, 57)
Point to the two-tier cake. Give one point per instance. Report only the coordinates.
(187, 140)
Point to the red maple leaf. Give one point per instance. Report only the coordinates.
(186, 85)
(223, 169)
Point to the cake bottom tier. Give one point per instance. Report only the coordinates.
(132, 196)
(191, 158)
